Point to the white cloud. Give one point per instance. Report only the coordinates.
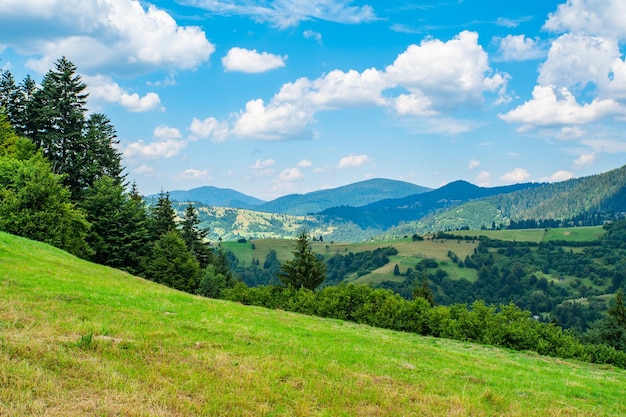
(585, 160)
(276, 121)
(576, 60)
(483, 178)
(519, 48)
(263, 168)
(159, 149)
(550, 108)
(473, 163)
(165, 132)
(119, 35)
(590, 17)
(568, 133)
(291, 174)
(263, 164)
(310, 34)
(516, 176)
(558, 176)
(450, 74)
(104, 90)
(284, 14)
(193, 174)
(146, 170)
(251, 61)
(209, 128)
(305, 163)
(353, 161)
(438, 76)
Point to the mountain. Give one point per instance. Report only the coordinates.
(573, 202)
(214, 196)
(390, 212)
(357, 194)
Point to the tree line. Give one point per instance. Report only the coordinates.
(62, 182)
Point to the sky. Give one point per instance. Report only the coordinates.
(274, 97)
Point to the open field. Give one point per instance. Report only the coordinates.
(572, 234)
(79, 339)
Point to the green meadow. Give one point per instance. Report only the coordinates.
(78, 339)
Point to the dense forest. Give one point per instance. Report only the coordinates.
(62, 182)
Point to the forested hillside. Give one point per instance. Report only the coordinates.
(581, 201)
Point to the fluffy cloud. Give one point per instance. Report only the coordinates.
(251, 61)
(291, 174)
(263, 168)
(284, 14)
(558, 176)
(309, 34)
(519, 48)
(154, 150)
(516, 176)
(120, 35)
(193, 174)
(209, 128)
(585, 160)
(591, 17)
(450, 74)
(549, 108)
(276, 121)
(305, 163)
(353, 161)
(163, 132)
(577, 60)
(104, 90)
(483, 178)
(473, 163)
(439, 76)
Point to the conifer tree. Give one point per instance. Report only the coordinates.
(162, 217)
(305, 270)
(194, 236)
(172, 264)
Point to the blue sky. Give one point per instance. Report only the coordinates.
(277, 97)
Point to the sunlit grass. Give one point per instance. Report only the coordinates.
(78, 339)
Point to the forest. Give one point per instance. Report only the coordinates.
(62, 182)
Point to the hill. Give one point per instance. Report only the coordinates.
(391, 212)
(81, 339)
(356, 194)
(214, 196)
(574, 202)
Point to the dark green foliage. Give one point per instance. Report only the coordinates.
(34, 204)
(212, 283)
(172, 264)
(162, 217)
(305, 270)
(53, 116)
(119, 225)
(361, 263)
(194, 237)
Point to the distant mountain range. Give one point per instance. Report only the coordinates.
(377, 207)
(357, 194)
(214, 196)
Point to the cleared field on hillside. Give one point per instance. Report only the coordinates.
(572, 234)
(78, 339)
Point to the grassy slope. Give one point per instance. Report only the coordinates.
(79, 339)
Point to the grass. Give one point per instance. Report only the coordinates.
(79, 339)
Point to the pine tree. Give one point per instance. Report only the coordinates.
(305, 270)
(172, 264)
(119, 233)
(194, 237)
(618, 309)
(162, 217)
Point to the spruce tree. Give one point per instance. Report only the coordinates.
(194, 236)
(162, 217)
(305, 270)
(172, 264)
(119, 230)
